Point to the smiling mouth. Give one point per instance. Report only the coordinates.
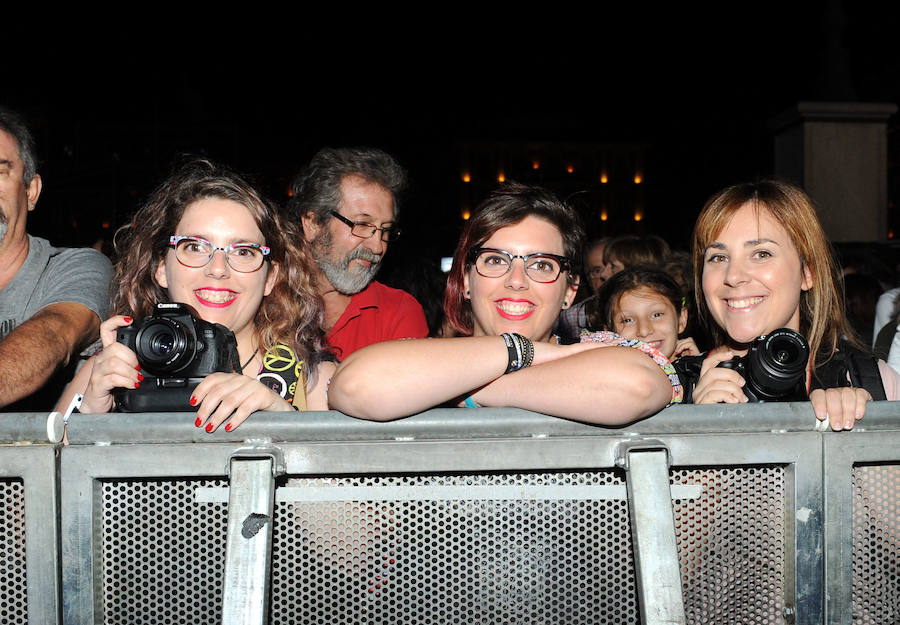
(747, 302)
(217, 298)
(514, 310)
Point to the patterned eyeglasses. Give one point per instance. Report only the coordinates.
(197, 252)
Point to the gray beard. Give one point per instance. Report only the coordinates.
(345, 280)
(4, 226)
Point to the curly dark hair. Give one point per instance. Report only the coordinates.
(291, 314)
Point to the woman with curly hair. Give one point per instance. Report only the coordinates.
(259, 287)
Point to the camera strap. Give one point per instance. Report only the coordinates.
(231, 346)
(850, 367)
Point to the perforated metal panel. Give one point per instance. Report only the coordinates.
(549, 547)
(453, 549)
(162, 552)
(13, 588)
(731, 545)
(876, 544)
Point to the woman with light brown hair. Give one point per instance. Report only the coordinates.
(762, 262)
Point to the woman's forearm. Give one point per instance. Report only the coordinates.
(399, 378)
(612, 385)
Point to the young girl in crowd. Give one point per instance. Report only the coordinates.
(762, 262)
(646, 304)
(206, 238)
(514, 269)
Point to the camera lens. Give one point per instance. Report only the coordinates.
(778, 365)
(162, 344)
(163, 347)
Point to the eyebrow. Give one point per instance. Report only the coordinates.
(237, 241)
(367, 218)
(751, 243)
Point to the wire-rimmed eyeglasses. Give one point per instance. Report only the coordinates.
(365, 230)
(197, 252)
(539, 266)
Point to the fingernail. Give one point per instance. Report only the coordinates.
(140, 377)
(138, 368)
(137, 385)
(193, 401)
(198, 422)
(128, 319)
(228, 428)
(209, 427)
(848, 425)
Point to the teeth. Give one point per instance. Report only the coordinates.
(216, 297)
(515, 308)
(744, 303)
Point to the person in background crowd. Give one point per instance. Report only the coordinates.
(514, 268)
(51, 299)
(347, 202)
(594, 263)
(620, 252)
(884, 312)
(644, 303)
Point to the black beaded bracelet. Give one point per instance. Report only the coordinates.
(512, 353)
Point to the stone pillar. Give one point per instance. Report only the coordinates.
(837, 151)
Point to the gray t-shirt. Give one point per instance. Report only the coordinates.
(50, 276)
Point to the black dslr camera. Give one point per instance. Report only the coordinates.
(775, 367)
(176, 350)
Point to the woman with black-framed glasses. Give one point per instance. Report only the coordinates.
(207, 239)
(514, 269)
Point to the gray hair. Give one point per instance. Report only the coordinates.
(317, 188)
(14, 125)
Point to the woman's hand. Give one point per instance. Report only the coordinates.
(223, 395)
(548, 352)
(115, 366)
(841, 406)
(718, 384)
(685, 347)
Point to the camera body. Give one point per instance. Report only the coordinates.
(774, 368)
(176, 350)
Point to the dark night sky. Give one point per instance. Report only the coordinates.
(111, 112)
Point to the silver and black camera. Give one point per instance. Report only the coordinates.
(176, 350)
(775, 367)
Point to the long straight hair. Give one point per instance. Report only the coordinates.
(822, 317)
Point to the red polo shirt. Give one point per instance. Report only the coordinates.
(377, 313)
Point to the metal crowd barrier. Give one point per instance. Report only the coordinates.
(701, 514)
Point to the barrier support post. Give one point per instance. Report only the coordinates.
(646, 465)
(248, 547)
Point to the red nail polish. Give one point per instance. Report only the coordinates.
(138, 368)
(193, 401)
(198, 422)
(128, 319)
(209, 427)
(228, 428)
(140, 377)
(137, 385)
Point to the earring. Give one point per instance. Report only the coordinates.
(467, 295)
(566, 304)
